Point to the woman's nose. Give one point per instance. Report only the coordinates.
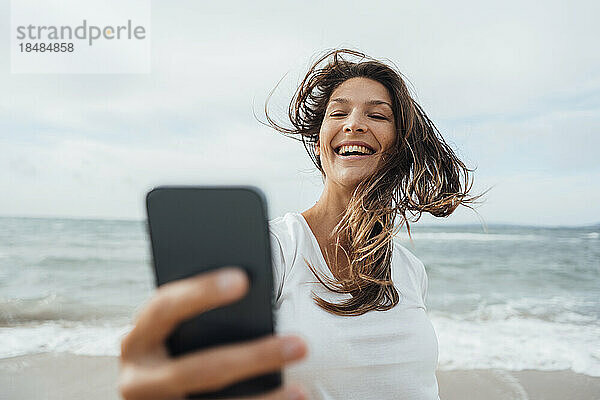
(354, 123)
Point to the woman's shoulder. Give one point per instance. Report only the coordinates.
(285, 234)
(404, 260)
(287, 228)
(402, 253)
(282, 223)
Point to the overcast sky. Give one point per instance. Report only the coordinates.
(514, 88)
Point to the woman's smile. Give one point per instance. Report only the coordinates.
(358, 126)
(354, 150)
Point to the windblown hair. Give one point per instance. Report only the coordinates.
(419, 174)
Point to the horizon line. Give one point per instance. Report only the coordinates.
(425, 224)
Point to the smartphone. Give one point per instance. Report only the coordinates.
(194, 229)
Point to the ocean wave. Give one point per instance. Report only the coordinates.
(513, 344)
(472, 237)
(85, 259)
(81, 339)
(53, 307)
(555, 309)
(516, 344)
(544, 313)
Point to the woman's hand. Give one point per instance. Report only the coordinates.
(148, 372)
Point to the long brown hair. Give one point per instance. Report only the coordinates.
(419, 174)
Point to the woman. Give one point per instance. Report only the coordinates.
(364, 317)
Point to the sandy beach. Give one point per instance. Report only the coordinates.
(54, 376)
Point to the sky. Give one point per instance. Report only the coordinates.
(513, 87)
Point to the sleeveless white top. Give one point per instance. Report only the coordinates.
(389, 354)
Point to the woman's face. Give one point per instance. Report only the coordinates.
(359, 113)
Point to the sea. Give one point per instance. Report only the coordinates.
(499, 296)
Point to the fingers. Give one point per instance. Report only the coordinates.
(179, 300)
(210, 370)
(143, 383)
(148, 373)
(216, 368)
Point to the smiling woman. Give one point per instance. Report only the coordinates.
(380, 157)
(403, 167)
(363, 322)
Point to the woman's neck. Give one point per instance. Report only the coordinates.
(329, 209)
(322, 219)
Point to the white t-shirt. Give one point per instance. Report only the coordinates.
(389, 354)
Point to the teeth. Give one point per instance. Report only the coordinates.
(347, 149)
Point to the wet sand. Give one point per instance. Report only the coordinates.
(51, 376)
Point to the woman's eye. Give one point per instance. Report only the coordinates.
(337, 114)
(377, 116)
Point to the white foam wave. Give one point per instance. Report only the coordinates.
(53, 307)
(517, 344)
(512, 343)
(93, 340)
(555, 309)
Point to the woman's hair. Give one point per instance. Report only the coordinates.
(420, 173)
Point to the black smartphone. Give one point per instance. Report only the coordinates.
(194, 229)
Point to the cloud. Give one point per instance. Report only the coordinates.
(85, 177)
(514, 88)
